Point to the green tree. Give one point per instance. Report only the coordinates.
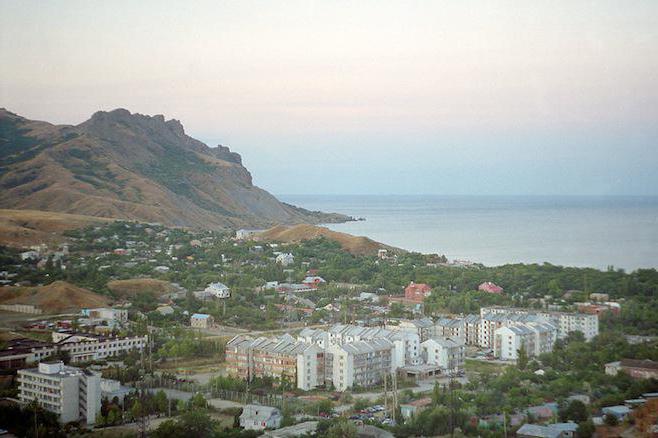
(160, 401)
(196, 424)
(585, 429)
(522, 358)
(341, 429)
(611, 420)
(575, 411)
(198, 401)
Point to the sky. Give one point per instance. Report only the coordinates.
(363, 97)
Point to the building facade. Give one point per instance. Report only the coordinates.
(71, 393)
(281, 358)
(361, 363)
(85, 347)
(201, 321)
(448, 353)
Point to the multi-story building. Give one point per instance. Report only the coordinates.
(565, 322)
(448, 353)
(489, 323)
(85, 347)
(407, 343)
(361, 363)
(424, 327)
(452, 328)
(280, 358)
(535, 337)
(471, 329)
(71, 393)
(22, 351)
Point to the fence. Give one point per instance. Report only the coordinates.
(243, 397)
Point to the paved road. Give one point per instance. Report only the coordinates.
(423, 386)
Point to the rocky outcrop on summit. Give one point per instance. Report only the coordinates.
(135, 167)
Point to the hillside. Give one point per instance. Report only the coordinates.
(54, 298)
(357, 245)
(131, 287)
(135, 167)
(22, 228)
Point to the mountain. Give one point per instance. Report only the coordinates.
(135, 167)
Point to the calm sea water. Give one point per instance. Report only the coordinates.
(569, 231)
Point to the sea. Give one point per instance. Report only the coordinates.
(581, 231)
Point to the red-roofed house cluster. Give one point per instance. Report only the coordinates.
(417, 292)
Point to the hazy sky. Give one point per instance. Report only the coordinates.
(453, 97)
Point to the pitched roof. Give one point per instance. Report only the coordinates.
(535, 430)
(636, 363)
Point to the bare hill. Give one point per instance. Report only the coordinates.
(357, 245)
(129, 288)
(28, 227)
(134, 167)
(56, 297)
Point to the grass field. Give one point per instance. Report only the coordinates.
(482, 367)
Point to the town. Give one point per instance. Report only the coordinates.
(133, 328)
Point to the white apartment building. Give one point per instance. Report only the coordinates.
(71, 393)
(423, 327)
(489, 323)
(565, 322)
(536, 338)
(85, 347)
(452, 328)
(585, 323)
(448, 353)
(362, 363)
(471, 329)
(407, 343)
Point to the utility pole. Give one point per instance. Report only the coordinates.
(289, 315)
(36, 428)
(452, 406)
(505, 423)
(385, 393)
(395, 396)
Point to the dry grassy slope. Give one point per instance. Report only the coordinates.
(357, 245)
(130, 287)
(134, 167)
(21, 228)
(54, 298)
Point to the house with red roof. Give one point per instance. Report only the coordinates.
(417, 292)
(490, 287)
